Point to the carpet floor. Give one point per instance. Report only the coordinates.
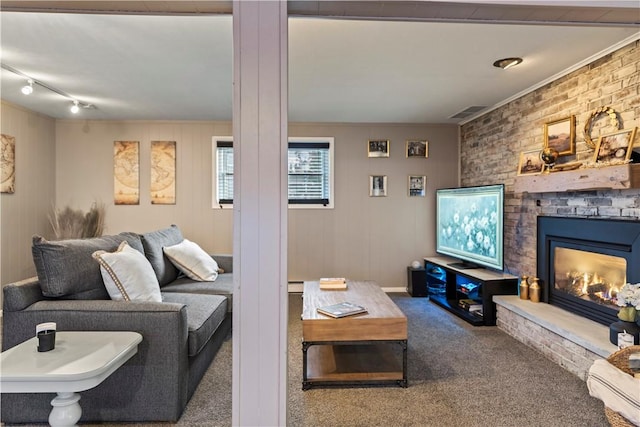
(459, 375)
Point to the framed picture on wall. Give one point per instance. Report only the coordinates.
(378, 148)
(163, 172)
(8, 164)
(418, 148)
(530, 163)
(417, 185)
(561, 135)
(377, 185)
(615, 147)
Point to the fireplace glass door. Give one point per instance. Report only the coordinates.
(589, 276)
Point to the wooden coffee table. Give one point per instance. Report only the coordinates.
(354, 350)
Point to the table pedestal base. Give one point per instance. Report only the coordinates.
(66, 410)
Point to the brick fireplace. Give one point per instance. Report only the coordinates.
(570, 326)
(489, 150)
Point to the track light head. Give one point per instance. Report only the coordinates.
(28, 88)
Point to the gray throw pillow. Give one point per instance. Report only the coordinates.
(153, 242)
(66, 268)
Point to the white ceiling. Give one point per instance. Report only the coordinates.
(139, 67)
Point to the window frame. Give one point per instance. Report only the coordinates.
(302, 139)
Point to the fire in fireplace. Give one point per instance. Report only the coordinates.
(583, 263)
(590, 276)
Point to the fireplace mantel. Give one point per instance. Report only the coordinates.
(618, 177)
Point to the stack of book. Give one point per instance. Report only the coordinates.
(471, 305)
(342, 309)
(333, 283)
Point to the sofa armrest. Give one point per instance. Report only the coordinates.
(159, 321)
(224, 261)
(20, 295)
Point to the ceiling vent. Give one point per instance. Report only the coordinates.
(470, 111)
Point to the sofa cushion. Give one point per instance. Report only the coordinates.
(128, 275)
(222, 286)
(66, 268)
(193, 261)
(153, 242)
(204, 314)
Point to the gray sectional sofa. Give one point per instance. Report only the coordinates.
(181, 334)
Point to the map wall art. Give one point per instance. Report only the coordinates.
(163, 172)
(8, 164)
(126, 172)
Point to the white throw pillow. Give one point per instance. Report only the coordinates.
(128, 275)
(193, 261)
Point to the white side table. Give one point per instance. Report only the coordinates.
(79, 361)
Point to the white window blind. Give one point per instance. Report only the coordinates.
(310, 172)
(224, 167)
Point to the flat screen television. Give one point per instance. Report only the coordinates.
(470, 225)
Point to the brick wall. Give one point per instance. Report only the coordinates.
(491, 145)
(566, 353)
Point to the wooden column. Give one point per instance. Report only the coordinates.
(260, 213)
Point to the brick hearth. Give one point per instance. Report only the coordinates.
(571, 341)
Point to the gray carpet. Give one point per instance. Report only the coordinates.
(459, 375)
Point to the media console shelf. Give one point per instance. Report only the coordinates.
(447, 285)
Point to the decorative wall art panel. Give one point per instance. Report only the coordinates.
(126, 172)
(8, 164)
(417, 185)
(418, 148)
(378, 148)
(163, 172)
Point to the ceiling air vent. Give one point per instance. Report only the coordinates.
(470, 111)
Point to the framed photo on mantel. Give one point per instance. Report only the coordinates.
(561, 135)
(615, 147)
(530, 163)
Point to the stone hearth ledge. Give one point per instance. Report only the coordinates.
(572, 341)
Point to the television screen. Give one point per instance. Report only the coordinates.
(470, 225)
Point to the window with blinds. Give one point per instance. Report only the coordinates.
(224, 175)
(310, 182)
(309, 171)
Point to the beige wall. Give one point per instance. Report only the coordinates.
(372, 237)
(24, 213)
(362, 238)
(84, 160)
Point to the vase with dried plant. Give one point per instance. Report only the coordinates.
(71, 223)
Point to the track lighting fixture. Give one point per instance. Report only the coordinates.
(28, 88)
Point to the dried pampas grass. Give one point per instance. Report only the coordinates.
(75, 224)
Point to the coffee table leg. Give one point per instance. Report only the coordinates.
(305, 349)
(66, 410)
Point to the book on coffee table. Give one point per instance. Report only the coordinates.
(332, 283)
(341, 309)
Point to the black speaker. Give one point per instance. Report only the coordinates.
(416, 282)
